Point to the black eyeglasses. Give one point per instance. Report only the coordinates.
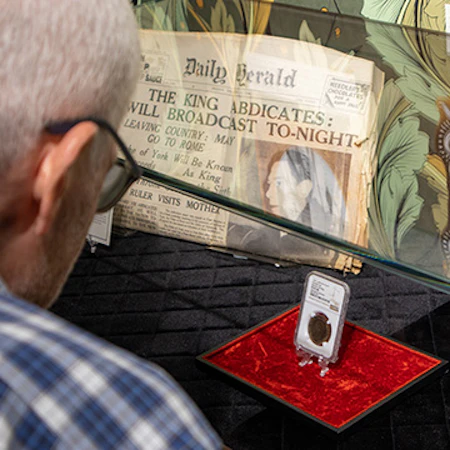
(122, 174)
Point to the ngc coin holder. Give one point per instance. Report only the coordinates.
(321, 320)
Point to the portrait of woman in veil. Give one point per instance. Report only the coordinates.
(301, 187)
(298, 184)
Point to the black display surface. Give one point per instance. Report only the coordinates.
(168, 301)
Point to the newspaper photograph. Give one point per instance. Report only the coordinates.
(285, 126)
(303, 185)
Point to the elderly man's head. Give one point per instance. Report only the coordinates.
(60, 61)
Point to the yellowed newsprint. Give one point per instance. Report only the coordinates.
(284, 126)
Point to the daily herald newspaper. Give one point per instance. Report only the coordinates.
(285, 126)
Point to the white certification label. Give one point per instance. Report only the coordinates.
(325, 293)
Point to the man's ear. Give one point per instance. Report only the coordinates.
(58, 156)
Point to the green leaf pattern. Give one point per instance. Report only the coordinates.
(166, 15)
(385, 10)
(395, 204)
(221, 20)
(415, 81)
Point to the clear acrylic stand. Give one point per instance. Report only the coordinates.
(307, 358)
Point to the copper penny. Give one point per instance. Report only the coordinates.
(319, 329)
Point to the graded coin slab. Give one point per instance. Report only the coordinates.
(322, 316)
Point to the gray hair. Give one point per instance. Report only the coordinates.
(61, 60)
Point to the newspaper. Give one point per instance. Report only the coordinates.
(284, 126)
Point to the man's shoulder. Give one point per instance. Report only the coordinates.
(32, 339)
(22, 322)
(66, 378)
(30, 336)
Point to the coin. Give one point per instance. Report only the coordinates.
(319, 329)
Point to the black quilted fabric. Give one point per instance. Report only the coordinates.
(168, 301)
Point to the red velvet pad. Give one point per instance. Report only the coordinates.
(370, 369)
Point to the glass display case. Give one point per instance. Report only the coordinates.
(302, 129)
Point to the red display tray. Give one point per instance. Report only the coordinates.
(372, 373)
